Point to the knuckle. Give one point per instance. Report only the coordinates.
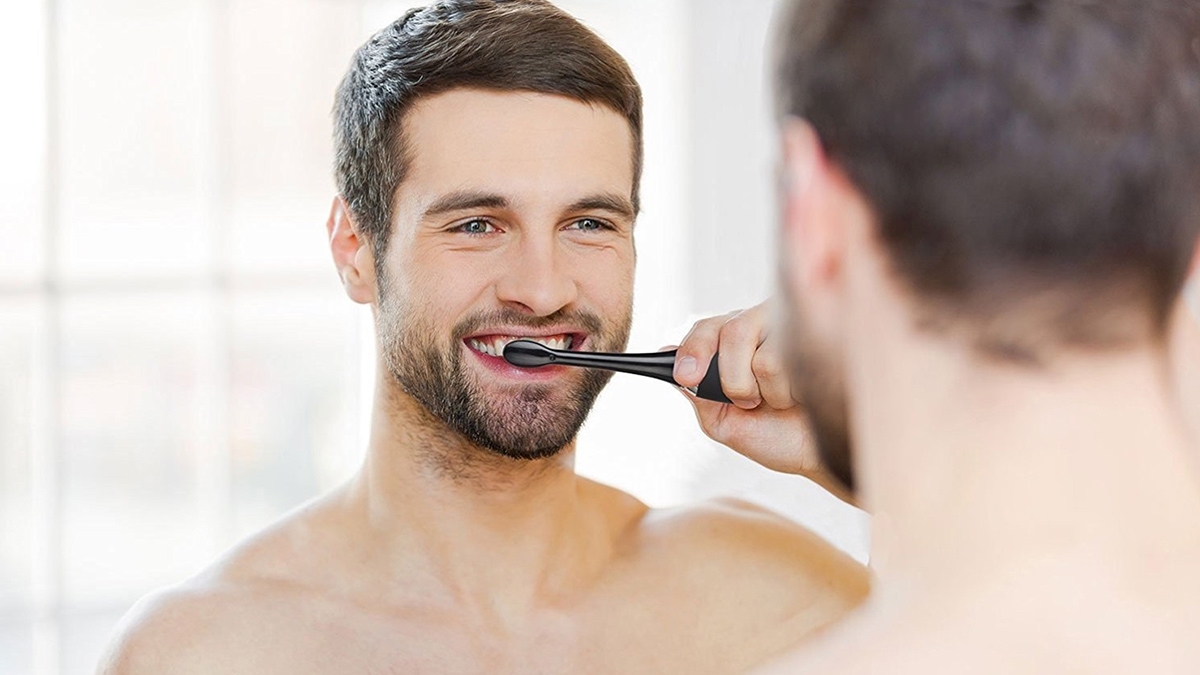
(740, 390)
(779, 400)
(703, 332)
(738, 329)
(766, 366)
(711, 323)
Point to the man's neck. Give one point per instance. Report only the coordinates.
(496, 534)
(981, 473)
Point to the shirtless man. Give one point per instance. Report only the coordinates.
(990, 208)
(1186, 355)
(488, 157)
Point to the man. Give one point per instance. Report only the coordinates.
(990, 208)
(488, 156)
(1186, 356)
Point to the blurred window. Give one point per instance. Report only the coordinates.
(178, 365)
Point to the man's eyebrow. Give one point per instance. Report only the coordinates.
(465, 201)
(606, 202)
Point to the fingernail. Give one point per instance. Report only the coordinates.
(685, 367)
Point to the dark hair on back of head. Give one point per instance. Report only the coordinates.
(1033, 165)
(503, 45)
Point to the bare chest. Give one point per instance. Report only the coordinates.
(327, 643)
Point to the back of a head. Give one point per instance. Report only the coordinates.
(501, 45)
(1033, 165)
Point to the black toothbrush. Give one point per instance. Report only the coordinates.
(659, 365)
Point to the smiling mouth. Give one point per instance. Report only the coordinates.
(493, 345)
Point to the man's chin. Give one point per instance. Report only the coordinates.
(525, 454)
(527, 428)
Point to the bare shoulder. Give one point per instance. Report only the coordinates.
(168, 631)
(781, 550)
(765, 557)
(211, 622)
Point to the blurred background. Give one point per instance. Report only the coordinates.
(178, 365)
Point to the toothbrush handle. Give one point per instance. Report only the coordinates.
(710, 387)
(658, 365)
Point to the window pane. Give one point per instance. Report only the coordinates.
(16, 646)
(295, 374)
(18, 335)
(130, 429)
(22, 139)
(285, 61)
(18, 331)
(133, 137)
(84, 637)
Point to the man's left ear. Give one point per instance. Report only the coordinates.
(352, 255)
(814, 231)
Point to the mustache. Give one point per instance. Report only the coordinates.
(589, 322)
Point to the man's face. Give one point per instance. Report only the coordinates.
(514, 220)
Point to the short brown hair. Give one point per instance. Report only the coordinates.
(1033, 165)
(504, 45)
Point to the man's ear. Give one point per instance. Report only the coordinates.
(352, 255)
(814, 237)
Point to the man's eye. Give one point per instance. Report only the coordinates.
(590, 225)
(476, 226)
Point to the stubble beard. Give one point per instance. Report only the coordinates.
(821, 391)
(532, 422)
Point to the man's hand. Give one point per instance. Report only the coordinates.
(764, 422)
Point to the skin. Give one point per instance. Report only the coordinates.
(1185, 354)
(762, 423)
(1074, 537)
(501, 565)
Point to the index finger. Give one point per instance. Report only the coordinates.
(697, 349)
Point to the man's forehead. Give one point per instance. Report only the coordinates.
(516, 144)
(460, 111)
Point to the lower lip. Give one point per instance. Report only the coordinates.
(498, 365)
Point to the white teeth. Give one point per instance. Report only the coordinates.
(495, 346)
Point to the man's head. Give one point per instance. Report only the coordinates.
(488, 157)
(1029, 170)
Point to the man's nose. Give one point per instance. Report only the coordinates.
(536, 279)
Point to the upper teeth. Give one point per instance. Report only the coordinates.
(494, 346)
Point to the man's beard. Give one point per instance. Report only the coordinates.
(528, 422)
(821, 391)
